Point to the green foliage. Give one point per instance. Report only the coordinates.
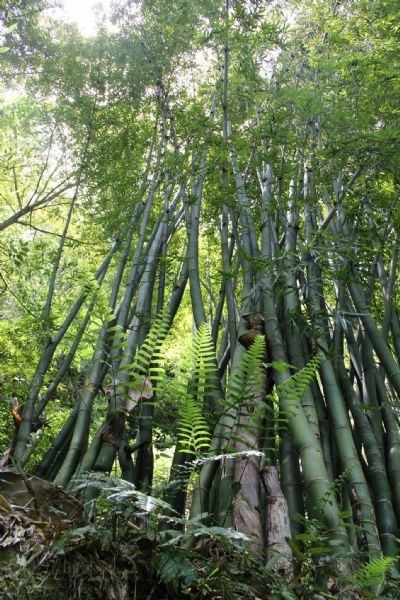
(191, 385)
(317, 561)
(247, 377)
(292, 390)
(373, 572)
(178, 558)
(337, 485)
(193, 434)
(149, 356)
(245, 387)
(248, 384)
(313, 91)
(185, 558)
(315, 557)
(149, 360)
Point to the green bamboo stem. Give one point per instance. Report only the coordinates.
(377, 476)
(21, 451)
(369, 394)
(79, 439)
(388, 292)
(125, 459)
(106, 456)
(389, 307)
(392, 440)
(57, 444)
(227, 278)
(291, 483)
(52, 388)
(56, 264)
(224, 224)
(334, 399)
(379, 345)
(224, 431)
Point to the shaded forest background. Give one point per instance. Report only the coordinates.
(200, 336)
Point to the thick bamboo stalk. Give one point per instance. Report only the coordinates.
(224, 225)
(379, 345)
(79, 439)
(369, 394)
(246, 502)
(56, 264)
(342, 427)
(392, 440)
(277, 524)
(388, 296)
(377, 476)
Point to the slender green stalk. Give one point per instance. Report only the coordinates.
(49, 349)
(58, 443)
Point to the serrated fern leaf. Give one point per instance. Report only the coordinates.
(373, 572)
(193, 434)
(192, 384)
(149, 360)
(292, 390)
(248, 372)
(246, 386)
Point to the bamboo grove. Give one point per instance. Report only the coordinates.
(255, 185)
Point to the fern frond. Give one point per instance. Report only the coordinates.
(373, 572)
(149, 360)
(245, 387)
(192, 385)
(149, 356)
(193, 434)
(292, 390)
(248, 373)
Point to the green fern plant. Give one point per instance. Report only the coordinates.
(293, 388)
(243, 388)
(193, 435)
(247, 384)
(291, 391)
(192, 384)
(373, 572)
(148, 364)
(337, 486)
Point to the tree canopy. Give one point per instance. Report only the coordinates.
(200, 336)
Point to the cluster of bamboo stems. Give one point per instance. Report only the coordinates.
(289, 254)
